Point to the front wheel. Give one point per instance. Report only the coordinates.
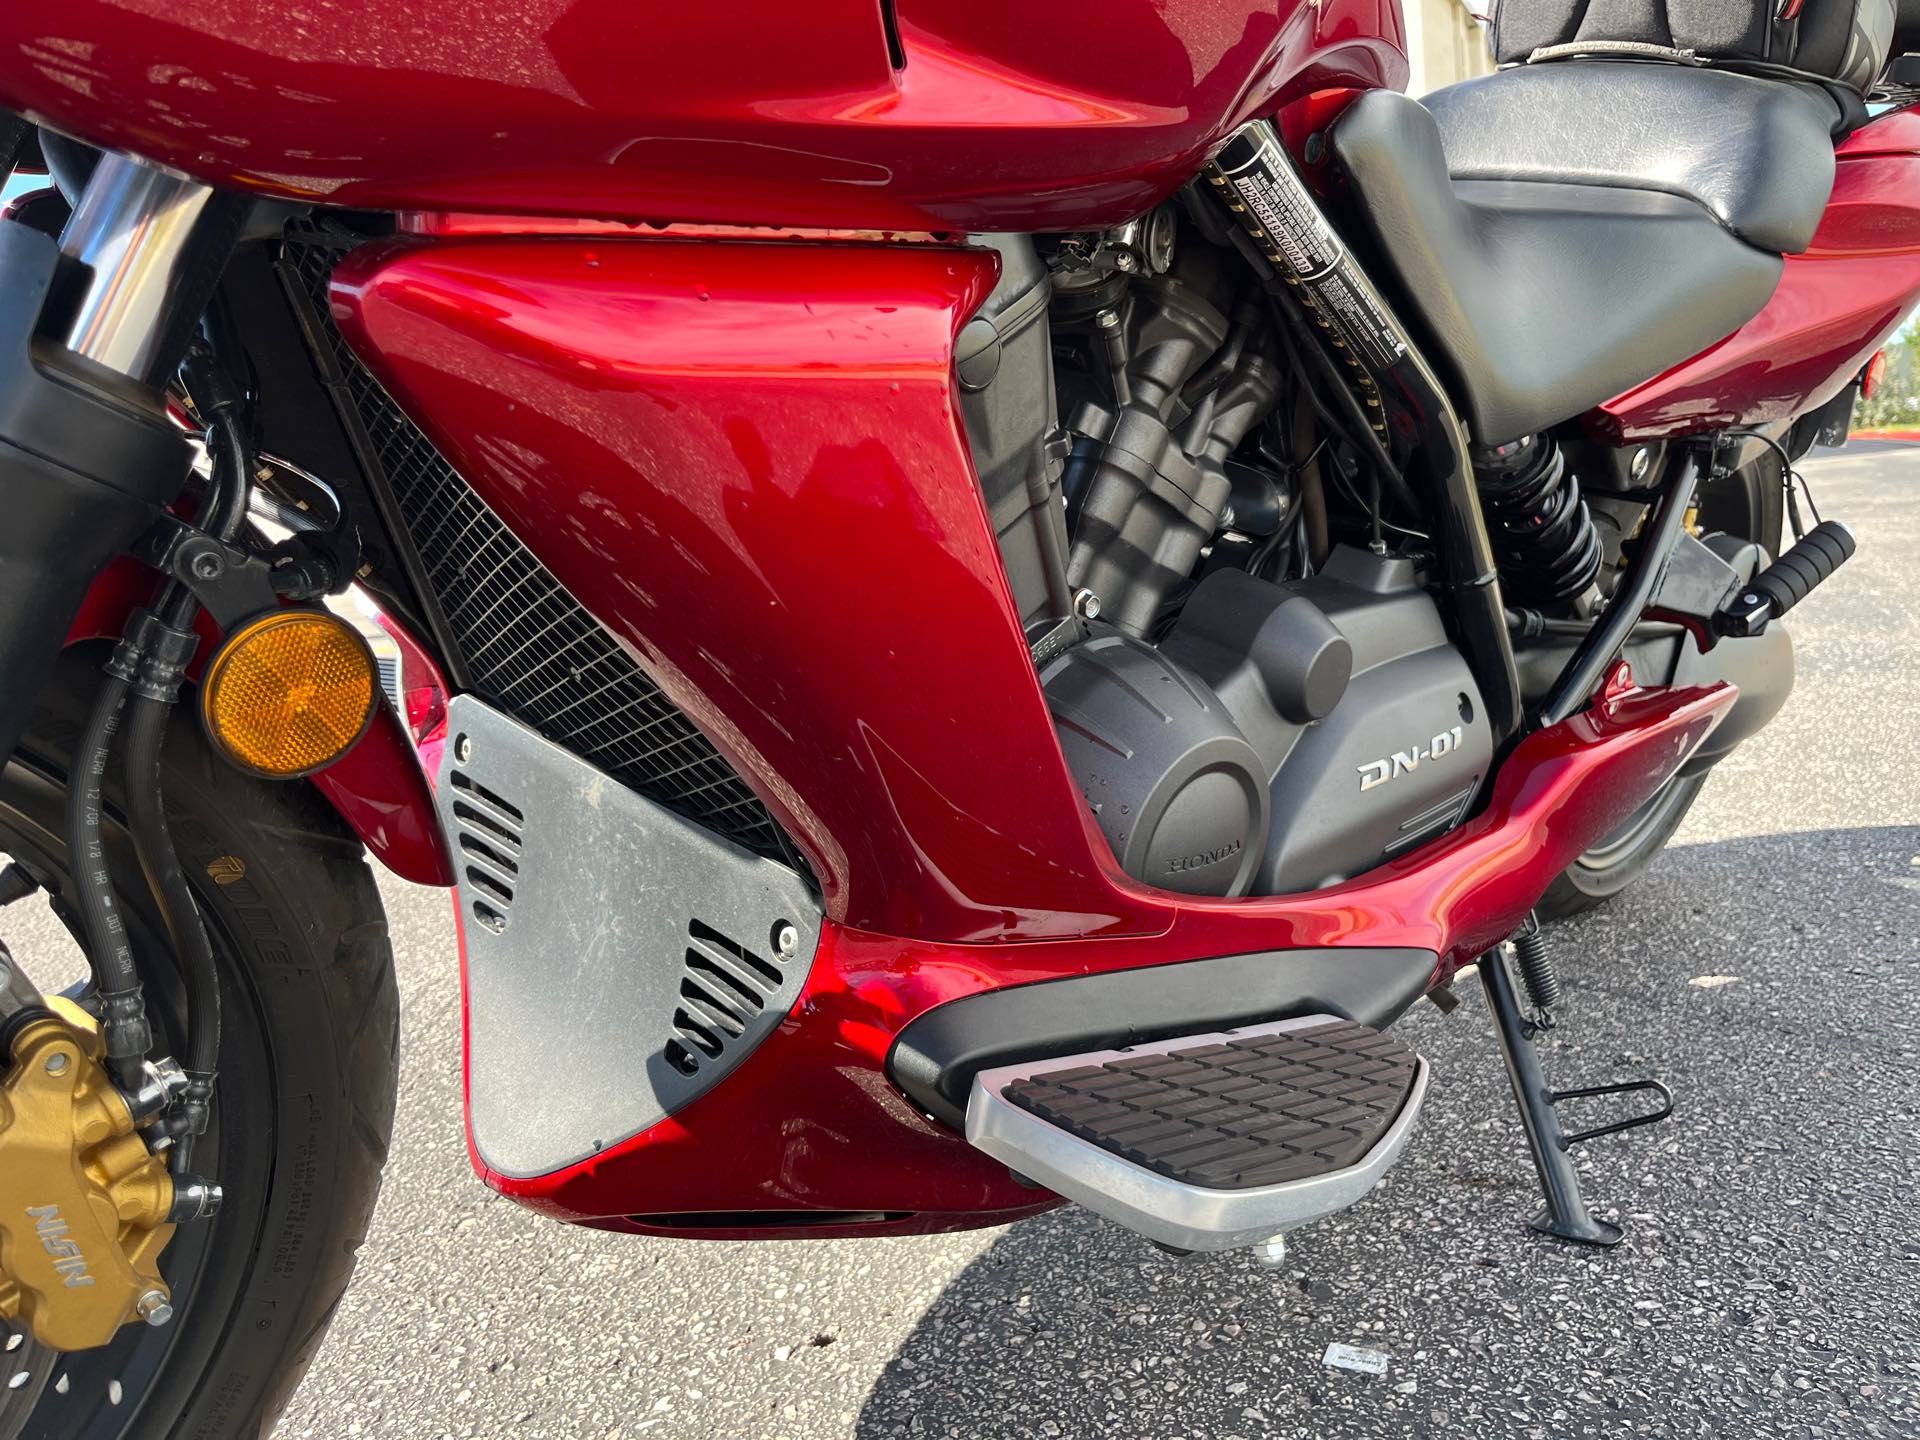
(304, 1106)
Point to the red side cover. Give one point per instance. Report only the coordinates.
(744, 459)
(1835, 306)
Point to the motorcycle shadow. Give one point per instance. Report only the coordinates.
(1768, 979)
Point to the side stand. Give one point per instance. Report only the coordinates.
(1566, 1216)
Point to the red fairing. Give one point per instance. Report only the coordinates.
(1835, 306)
(380, 790)
(745, 461)
(998, 116)
(811, 1122)
(378, 786)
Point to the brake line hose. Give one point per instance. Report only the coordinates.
(169, 647)
(147, 716)
(116, 979)
(148, 667)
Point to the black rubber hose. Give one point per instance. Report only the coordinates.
(226, 508)
(222, 514)
(147, 819)
(109, 951)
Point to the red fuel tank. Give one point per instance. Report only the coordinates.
(872, 114)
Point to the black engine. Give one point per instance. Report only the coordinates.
(1283, 736)
(1255, 692)
(1253, 547)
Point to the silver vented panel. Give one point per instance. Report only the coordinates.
(621, 960)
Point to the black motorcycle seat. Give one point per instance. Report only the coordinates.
(1756, 153)
(1553, 252)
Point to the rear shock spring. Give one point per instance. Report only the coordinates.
(1544, 540)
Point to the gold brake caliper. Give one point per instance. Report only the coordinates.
(83, 1201)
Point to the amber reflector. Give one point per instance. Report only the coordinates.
(289, 692)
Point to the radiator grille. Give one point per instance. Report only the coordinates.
(527, 645)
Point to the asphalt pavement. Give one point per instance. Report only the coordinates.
(1770, 1284)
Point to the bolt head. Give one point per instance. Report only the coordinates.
(57, 1063)
(154, 1307)
(207, 566)
(1086, 604)
(786, 939)
(463, 749)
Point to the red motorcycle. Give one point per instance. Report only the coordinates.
(1003, 590)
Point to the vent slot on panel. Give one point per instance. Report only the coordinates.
(528, 647)
(723, 988)
(488, 829)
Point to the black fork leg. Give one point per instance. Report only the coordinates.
(91, 328)
(1566, 1214)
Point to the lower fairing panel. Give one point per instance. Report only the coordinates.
(811, 1134)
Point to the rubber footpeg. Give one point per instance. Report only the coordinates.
(1240, 1113)
(1791, 578)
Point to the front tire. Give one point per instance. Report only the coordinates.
(304, 1107)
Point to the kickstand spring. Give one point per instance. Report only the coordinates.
(1566, 1216)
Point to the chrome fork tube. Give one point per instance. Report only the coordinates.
(91, 330)
(141, 241)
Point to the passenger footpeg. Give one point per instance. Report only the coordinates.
(1209, 1142)
(1788, 580)
(1566, 1216)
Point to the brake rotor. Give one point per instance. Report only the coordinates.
(26, 1371)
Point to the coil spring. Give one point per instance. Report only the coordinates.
(1537, 970)
(1544, 539)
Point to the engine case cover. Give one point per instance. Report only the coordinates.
(1392, 757)
(1180, 793)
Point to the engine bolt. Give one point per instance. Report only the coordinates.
(786, 939)
(56, 1063)
(1086, 605)
(153, 1307)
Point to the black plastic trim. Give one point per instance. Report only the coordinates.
(936, 1057)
